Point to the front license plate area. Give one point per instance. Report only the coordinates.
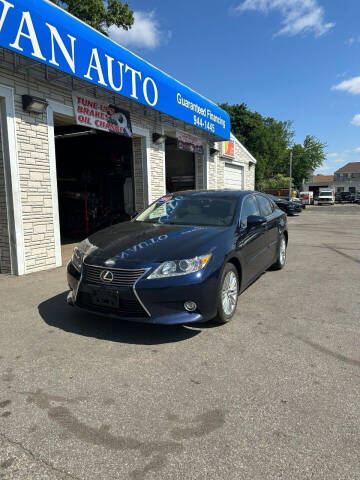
(102, 298)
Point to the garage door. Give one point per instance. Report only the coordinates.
(234, 176)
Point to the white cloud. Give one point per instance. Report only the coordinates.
(357, 150)
(356, 121)
(351, 86)
(352, 40)
(145, 33)
(330, 165)
(299, 16)
(333, 155)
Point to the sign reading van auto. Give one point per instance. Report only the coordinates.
(44, 32)
(93, 113)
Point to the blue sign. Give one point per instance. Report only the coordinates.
(41, 31)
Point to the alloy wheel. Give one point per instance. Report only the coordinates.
(283, 251)
(229, 293)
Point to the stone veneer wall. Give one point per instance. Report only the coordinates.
(137, 144)
(157, 171)
(36, 190)
(242, 158)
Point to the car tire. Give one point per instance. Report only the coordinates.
(228, 294)
(281, 255)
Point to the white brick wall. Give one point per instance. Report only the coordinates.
(241, 157)
(138, 152)
(157, 177)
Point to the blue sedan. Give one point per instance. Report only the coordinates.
(184, 259)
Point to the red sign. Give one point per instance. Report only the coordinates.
(93, 113)
(229, 149)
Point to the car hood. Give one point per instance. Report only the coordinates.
(134, 244)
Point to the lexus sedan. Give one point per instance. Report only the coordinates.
(185, 259)
(287, 206)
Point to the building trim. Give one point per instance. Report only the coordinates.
(206, 161)
(144, 133)
(12, 181)
(234, 139)
(163, 150)
(55, 107)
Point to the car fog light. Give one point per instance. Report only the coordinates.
(190, 306)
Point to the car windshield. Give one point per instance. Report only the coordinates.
(190, 210)
(325, 194)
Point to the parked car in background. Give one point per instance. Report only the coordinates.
(287, 206)
(184, 259)
(326, 197)
(347, 197)
(296, 200)
(357, 197)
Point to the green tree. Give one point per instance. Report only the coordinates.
(100, 14)
(277, 182)
(307, 158)
(270, 141)
(267, 139)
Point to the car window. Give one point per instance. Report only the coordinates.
(199, 210)
(249, 207)
(266, 207)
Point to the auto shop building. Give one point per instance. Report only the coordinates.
(91, 133)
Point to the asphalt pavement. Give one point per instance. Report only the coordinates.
(274, 394)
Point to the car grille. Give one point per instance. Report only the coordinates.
(121, 277)
(127, 308)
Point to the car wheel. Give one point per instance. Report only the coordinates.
(228, 294)
(281, 260)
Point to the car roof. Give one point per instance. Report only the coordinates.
(215, 193)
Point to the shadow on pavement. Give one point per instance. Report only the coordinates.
(56, 313)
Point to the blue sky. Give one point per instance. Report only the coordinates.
(294, 60)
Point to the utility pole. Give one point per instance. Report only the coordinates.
(290, 186)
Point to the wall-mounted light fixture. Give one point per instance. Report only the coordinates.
(158, 138)
(213, 151)
(34, 104)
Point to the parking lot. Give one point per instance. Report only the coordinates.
(272, 395)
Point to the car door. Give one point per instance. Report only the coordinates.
(250, 242)
(271, 234)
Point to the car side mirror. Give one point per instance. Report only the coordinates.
(134, 215)
(255, 221)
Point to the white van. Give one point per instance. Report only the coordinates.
(326, 197)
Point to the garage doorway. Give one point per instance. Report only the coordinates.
(179, 167)
(234, 176)
(94, 179)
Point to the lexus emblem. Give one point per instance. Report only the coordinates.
(107, 276)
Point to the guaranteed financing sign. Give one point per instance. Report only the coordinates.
(42, 31)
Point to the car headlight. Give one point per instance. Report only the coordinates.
(80, 252)
(176, 268)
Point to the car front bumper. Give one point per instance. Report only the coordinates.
(159, 301)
